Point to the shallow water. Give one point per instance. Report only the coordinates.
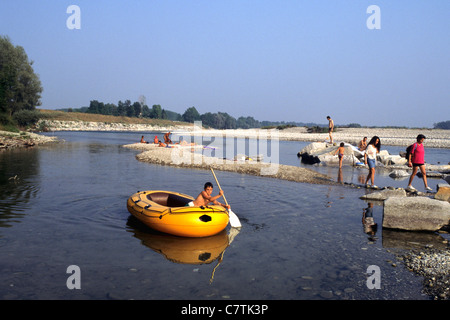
(67, 206)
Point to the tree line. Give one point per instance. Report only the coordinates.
(20, 87)
(218, 120)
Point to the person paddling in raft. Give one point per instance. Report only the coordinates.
(204, 197)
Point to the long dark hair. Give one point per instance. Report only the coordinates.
(373, 142)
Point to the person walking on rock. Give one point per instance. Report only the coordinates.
(416, 160)
(370, 159)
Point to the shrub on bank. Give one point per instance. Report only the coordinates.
(26, 118)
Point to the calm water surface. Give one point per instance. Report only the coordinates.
(67, 206)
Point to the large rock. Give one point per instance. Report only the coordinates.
(443, 192)
(399, 174)
(384, 194)
(388, 160)
(317, 152)
(415, 213)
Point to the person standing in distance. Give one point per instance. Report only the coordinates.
(330, 128)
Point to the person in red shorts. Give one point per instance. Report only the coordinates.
(416, 160)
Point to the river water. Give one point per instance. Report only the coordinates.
(64, 205)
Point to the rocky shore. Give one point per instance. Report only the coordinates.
(434, 266)
(10, 140)
(395, 137)
(392, 137)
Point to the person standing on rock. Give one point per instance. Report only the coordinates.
(330, 128)
(370, 158)
(416, 159)
(167, 138)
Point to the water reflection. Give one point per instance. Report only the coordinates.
(184, 250)
(369, 225)
(18, 184)
(408, 240)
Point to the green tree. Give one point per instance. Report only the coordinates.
(156, 112)
(20, 87)
(191, 115)
(137, 107)
(121, 109)
(129, 108)
(442, 125)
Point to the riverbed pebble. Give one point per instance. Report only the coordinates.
(434, 266)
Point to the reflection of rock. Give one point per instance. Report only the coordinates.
(415, 213)
(412, 240)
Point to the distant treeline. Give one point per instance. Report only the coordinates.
(442, 125)
(219, 120)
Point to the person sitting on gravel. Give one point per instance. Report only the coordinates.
(162, 144)
(142, 140)
(362, 145)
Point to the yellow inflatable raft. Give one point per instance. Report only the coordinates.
(168, 212)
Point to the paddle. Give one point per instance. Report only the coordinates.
(234, 220)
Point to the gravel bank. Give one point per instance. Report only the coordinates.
(184, 157)
(434, 266)
(393, 137)
(23, 139)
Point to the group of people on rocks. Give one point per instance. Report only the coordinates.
(167, 141)
(415, 158)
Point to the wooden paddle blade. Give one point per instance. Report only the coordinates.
(234, 220)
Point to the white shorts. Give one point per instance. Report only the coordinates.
(190, 204)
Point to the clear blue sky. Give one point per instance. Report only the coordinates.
(284, 60)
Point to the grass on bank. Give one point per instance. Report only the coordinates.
(26, 119)
(91, 117)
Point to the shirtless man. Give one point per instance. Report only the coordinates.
(204, 197)
(330, 128)
(362, 144)
(167, 138)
